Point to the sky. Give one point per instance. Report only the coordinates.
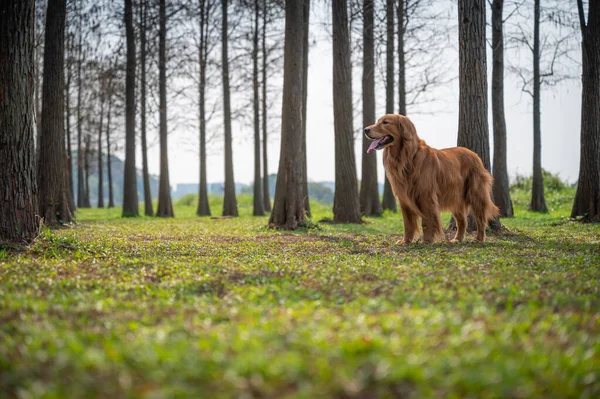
(436, 124)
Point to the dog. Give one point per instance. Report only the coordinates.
(426, 181)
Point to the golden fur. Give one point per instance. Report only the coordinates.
(426, 181)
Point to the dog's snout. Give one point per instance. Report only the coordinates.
(367, 130)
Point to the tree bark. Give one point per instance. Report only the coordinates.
(80, 155)
(538, 202)
(52, 200)
(266, 191)
(165, 207)
(203, 205)
(18, 188)
(346, 204)
(69, 155)
(370, 204)
(288, 208)
(389, 201)
(86, 167)
(148, 208)
(100, 171)
(111, 198)
(229, 200)
(130, 196)
(501, 188)
(258, 204)
(305, 48)
(587, 197)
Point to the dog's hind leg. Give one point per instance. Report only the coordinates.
(461, 225)
(411, 227)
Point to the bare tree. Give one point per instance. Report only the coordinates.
(587, 198)
(266, 193)
(370, 204)
(130, 196)
(346, 204)
(229, 200)
(288, 208)
(258, 204)
(18, 188)
(111, 198)
(389, 201)
(148, 208)
(99, 143)
(305, 47)
(165, 207)
(80, 153)
(501, 189)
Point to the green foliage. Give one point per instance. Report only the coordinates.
(558, 193)
(201, 307)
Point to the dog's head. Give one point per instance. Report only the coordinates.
(390, 130)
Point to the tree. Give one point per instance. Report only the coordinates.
(266, 193)
(165, 207)
(130, 197)
(587, 197)
(87, 154)
(18, 188)
(111, 198)
(389, 201)
(370, 204)
(346, 204)
(148, 208)
(100, 128)
(305, 45)
(80, 153)
(538, 202)
(69, 155)
(288, 208)
(52, 200)
(203, 52)
(258, 204)
(229, 200)
(501, 189)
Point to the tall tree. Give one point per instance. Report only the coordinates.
(370, 204)
(80, 161)
(87, 154)
(288, 208)
(130, 197)
(389, 201)
(69, 155)
(305, 47)
(346, 204)
(266, 191)
(18, 188)
(538, 202)
(501, 190)
(111, 198)
(587, 198)
(229, 200)
(165, 207)
(148, 208)
(100, 128)
(204, 9)
(53, 203)
(258, 204)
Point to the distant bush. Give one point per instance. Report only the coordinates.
(188, 200)
(552, 182)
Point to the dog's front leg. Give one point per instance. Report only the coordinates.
(411, 226)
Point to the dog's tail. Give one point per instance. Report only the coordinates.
(479, 195)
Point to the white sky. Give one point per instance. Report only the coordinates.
(560, 128)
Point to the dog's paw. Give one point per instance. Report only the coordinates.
(403, 242)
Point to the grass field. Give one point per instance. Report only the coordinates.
(205, 308)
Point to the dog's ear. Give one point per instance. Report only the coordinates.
(406, 127)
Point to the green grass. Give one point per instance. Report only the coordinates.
(209, 308)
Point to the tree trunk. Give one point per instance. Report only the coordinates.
(501, 189)
(587, 198)
(266, 191)
(203, 205)
(18, 188)
(346, 204)
(111, 198)
(305, 45)
(100, 171)
(369, 186)
(148, 208)
(80, 176)
(52, 200)
(165, 207)
(229, 200)
(288, 208)
(130, 196)
(538, 202)
(258, 207)
(86, 166)
(389, 201)
(71, 193)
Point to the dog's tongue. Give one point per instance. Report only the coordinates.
(374, 144)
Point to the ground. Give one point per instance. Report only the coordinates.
(209, 308)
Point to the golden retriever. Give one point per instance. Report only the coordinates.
(426, 181)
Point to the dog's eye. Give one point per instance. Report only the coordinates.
(385, 122)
